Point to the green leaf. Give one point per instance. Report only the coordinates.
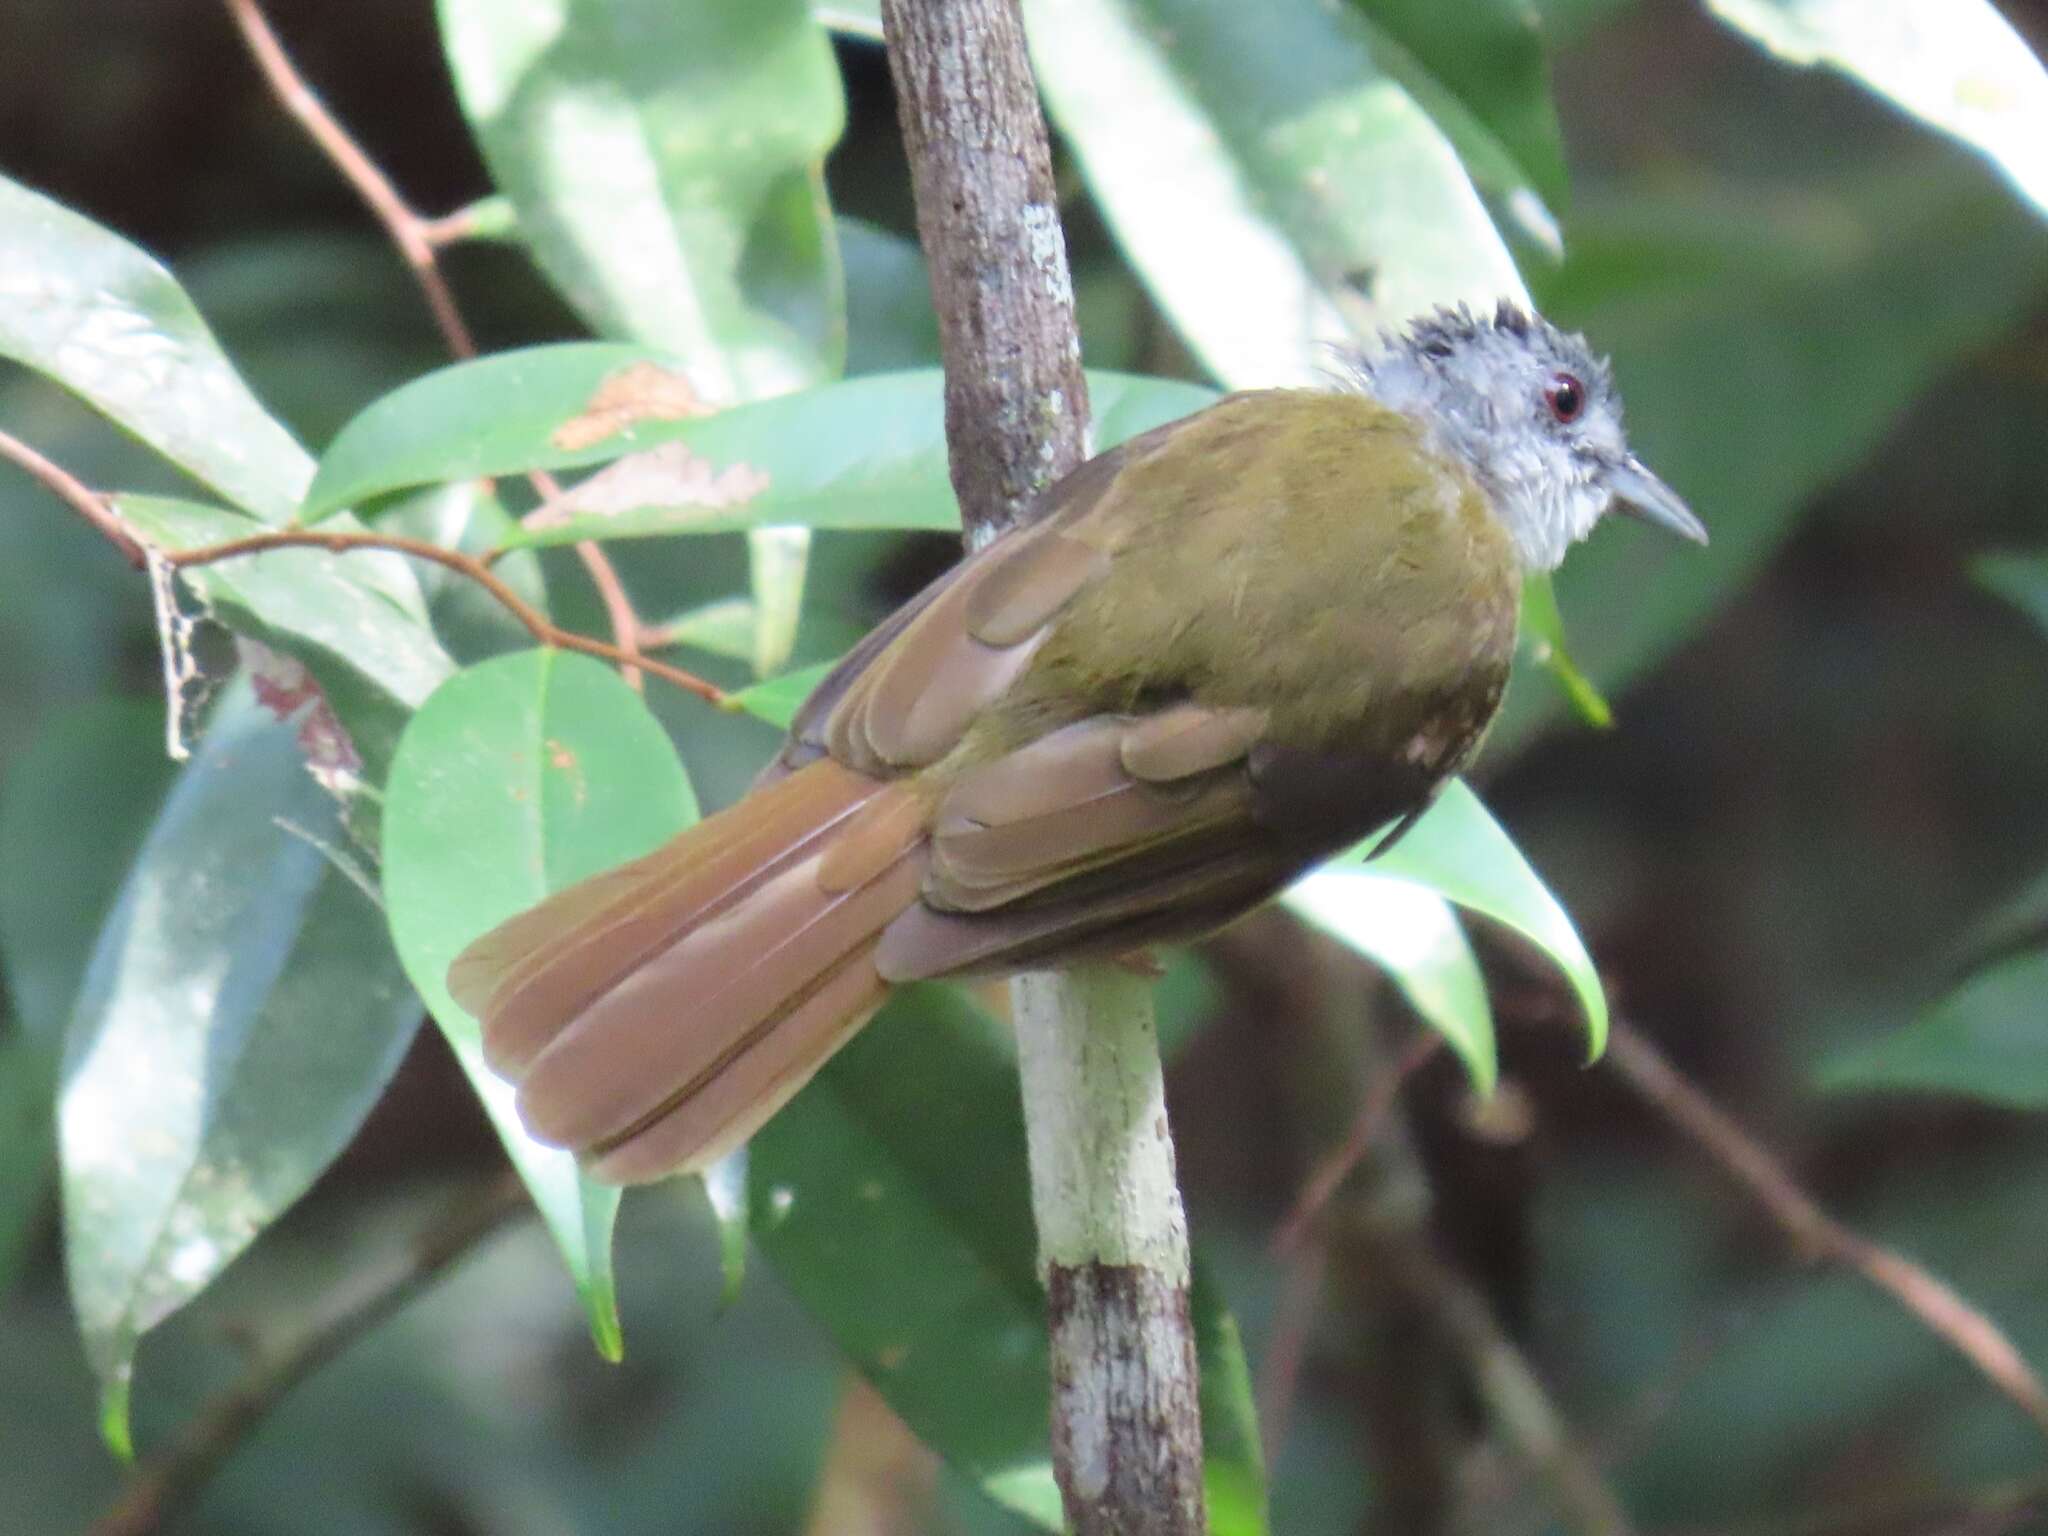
(1459, 852)
(2021, 580)
(1957, 65)
(863, 453)
(1414, 937)
(1542, 640)
(666, 163)
(1478, 70)
(777, 559)
(356, 620)
(73, 811)
(519, 776)
(500, 414)
(1799, 338)
(240, 1014)
(1269, 177)
(725, 1190)
(905, 1156)
(106, 321)
(1988, 1039)
(778, 699)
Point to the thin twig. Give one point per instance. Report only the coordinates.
(618, 607)
(408, 231)
(77, 495)
(166, 1483)
(1306, 1258)
(2001, 1506)
(417, 240)
(543, 629)
(450, 228)
(1378, 1103)
(1294, 1315)
(1517, 1404)
(1819, 1236)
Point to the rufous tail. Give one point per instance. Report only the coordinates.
(653, 1016)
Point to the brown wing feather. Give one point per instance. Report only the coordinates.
(526, 979)
(718, 997)
(1058, 851)
(1027, 587)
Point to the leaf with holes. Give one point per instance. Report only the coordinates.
(356, 620)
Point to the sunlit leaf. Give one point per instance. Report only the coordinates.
(725, 1188)
(863, 453)
(1414, 937)
(1988, 1039)
(666, 163)
(1957, 65)
(1458, 851)
(905, 1156)
(1478, 70)
(241, 1012)
(519, 776)
(1273, 183)
(856, 18)
(105, 320)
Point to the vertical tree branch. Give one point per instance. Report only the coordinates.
(1127, 1445)
(1113, 1249)
(1016, 400)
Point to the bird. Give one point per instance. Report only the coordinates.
(1205, 660)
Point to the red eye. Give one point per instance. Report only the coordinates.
(1565, 396)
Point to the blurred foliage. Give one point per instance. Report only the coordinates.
(1811, 854)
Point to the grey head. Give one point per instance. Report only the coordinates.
(1534, 416)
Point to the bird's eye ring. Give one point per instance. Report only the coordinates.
(1565, 396)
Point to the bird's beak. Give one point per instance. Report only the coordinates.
(1643, 495)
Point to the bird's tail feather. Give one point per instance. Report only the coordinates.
(654, 1016)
